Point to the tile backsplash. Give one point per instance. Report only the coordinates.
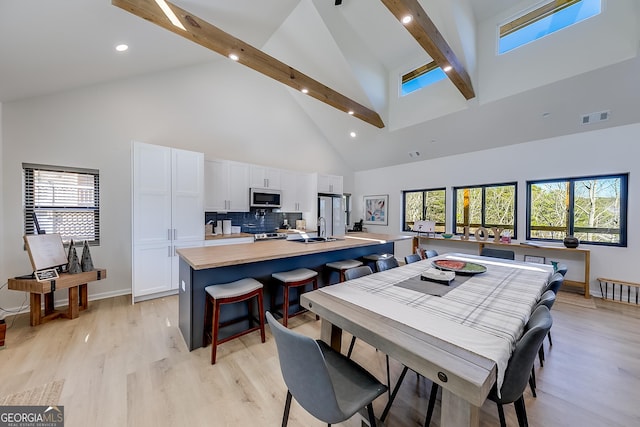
(254, 222)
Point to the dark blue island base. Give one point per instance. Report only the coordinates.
(192, 284)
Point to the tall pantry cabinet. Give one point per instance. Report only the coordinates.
(168, 213)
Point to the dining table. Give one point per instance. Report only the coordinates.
(459, 335)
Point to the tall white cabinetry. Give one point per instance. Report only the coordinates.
(226, 186)
(264, 177)
(168, 213)
(298, 192)
(331, 184)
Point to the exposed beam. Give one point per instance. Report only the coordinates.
(205, 34)
(427, 35)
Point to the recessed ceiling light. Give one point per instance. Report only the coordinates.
(447, 68)
(351, 112)
(233, 56)
(304, 90)
(122, 47)
(353, 134)
(406, 19)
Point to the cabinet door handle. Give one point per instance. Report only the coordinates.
(169, 251)
(168, 234)
(175, 234)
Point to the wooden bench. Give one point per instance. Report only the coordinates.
(78, 298)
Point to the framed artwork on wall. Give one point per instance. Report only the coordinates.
(376, 209)
(533, 258)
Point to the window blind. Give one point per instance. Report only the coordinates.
(63, 200)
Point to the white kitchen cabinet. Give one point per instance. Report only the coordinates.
(167, 212)
(298, 192)
(331, 184)
(265, 177)
(226, 186)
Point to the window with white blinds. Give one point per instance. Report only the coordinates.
(62, 200)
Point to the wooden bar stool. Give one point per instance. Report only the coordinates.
(292, 279)
(229, 293)
(344, 265)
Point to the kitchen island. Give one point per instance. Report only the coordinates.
(204, 266)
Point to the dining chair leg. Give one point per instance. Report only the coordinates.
(503, 422)
(353, 342)
(532, 382)
(432, 404)
(541, 355)
(521, 412)
(549, 336)
(392, 397)
(287, 406)
(372, 417)
(388, 376)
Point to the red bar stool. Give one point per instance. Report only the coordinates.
(344, 265)
(229, 293)
(293, 279)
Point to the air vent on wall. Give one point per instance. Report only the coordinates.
(600, 116)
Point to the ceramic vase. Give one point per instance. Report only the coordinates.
(571, 242)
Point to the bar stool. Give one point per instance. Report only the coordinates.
(293, 279)
(371, 259)
(342, 266)
(229, 293)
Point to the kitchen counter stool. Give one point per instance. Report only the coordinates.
(292, 279)
(230, 293)
(342, 266)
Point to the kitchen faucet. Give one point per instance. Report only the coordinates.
(322, 225)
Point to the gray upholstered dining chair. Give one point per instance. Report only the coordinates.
(412, 258)
(430, 253)
(562, 269)
(325, 383)
(516, 376)
(555, 283)
(354, 273)
(387, 264)
(547, 299)
(498, 253)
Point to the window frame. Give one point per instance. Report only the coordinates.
(535, 14)
(484, 187)
(418, 73)
(424, 207)
(29, 171)
(570, 227)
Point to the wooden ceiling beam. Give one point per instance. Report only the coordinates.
(205, 34)
(427, 35)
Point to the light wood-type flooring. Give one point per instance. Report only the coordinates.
(127, 365)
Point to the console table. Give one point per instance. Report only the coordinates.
(75, 283)
(512, 246)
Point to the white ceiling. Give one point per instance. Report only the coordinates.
(53, 46)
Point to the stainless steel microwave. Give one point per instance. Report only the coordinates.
(264, 198)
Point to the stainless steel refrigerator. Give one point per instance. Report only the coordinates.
(331, 208)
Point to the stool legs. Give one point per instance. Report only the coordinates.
(212, 313)
(285, 300)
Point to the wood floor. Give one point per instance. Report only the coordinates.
(127, 365)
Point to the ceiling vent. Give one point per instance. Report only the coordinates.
(414, 154)
(600, 116)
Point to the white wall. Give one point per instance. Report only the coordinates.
(613, 34)
(222, 109)
(605, 151)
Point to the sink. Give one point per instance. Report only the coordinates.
(314, 240)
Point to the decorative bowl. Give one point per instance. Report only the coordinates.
(447, 236)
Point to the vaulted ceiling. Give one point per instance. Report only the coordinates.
(358, 49)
